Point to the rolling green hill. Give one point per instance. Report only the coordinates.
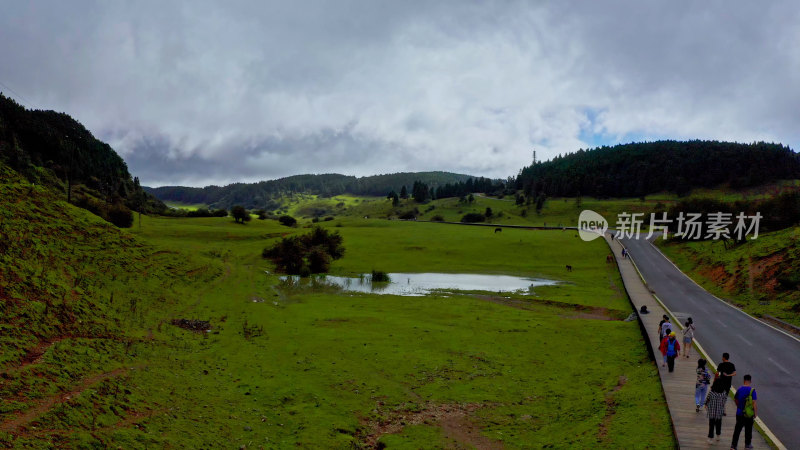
(54, 149)
(267, 194)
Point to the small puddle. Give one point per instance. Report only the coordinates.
(419, 284)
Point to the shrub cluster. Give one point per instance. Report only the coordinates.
(116, 213)
(306, 254)
(204, 212)
(287, 220)
(473, 217)
(379, 276)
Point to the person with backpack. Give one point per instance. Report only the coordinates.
(688, 337)
(715, 408)
(746, 412)
(670, 348)
(664, 318)
(701, 384)
(666, 327)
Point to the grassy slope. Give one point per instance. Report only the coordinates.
(746, 274)
(80, 299)
(318, 365)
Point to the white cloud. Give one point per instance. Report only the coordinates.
(209, 92)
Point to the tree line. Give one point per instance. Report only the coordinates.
(638, 169)
(266, 194)
(53, 149)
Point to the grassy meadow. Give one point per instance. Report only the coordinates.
(312, 367)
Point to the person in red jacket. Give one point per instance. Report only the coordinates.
(670, 348)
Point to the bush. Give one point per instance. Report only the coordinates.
(473, 217)
(287, 220)
(204, 212)
(116, 213)
(380, 276)
(409, 215)
(310, 253)
(120, 215)
(240, 215)
(319, 260)
(437, 218)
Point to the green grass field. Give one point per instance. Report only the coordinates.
(313, 367)
(186, 206)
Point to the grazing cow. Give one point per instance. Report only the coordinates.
(498, 230)
(569, 268)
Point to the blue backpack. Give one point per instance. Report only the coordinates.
(671, 347)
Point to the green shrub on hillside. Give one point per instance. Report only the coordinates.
(473, 217)
(287, 220)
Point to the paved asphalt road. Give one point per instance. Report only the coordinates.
(770, 356)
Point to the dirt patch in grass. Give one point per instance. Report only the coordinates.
(46, 404)
(454, 419)
(611, 409)
(766, 271)
(192, 324)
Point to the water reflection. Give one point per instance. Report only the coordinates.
(418, 284)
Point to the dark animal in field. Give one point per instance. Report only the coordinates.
(609, 259)
(569, 268)
(498, 230)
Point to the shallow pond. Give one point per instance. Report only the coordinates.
(418, 284)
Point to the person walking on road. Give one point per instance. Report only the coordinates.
(701, 384)
(670, 348)
(688, 337)
(746, 412)
(715, 409)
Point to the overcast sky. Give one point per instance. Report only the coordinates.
(198, 92)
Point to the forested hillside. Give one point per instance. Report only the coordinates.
(54, 149)
(637, 169)
(262, 194)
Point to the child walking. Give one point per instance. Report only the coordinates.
(701, 384)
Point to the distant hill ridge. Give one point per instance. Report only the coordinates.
(638, 169)
(257, 195)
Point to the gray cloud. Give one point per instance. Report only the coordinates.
(204, 92)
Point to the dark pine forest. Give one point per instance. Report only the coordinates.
(638, 169)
